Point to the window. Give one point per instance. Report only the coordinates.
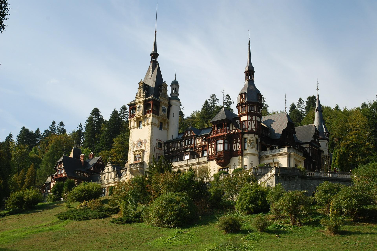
(159, 145)
(139, 124)
(226, 147)
(186, 156)
(245, 167)
(219, 145)
(245, 143)
(205, 153)
(137, 158)
(160, 126)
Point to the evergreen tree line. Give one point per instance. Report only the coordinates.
(352, 132)
(27, 161)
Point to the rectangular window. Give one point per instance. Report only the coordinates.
(159, 145)
(245, 143)
(205, 153)
(139, 124)
(160, 126)
(245, 166)
(219, 145)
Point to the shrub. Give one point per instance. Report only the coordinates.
(56, 191)
(365, 179)
(93, 209)
(15, 201)
(224, 189)
(332, 224)
(261, 222)
(293, 204)
(171, 210)
(82, 214)
(31, 198)
(349, 202)
(24, 199)
(230, 223)
(325, 193)
(69, 184)
(85, 191)
(252, 199)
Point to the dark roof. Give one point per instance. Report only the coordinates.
(252, 93)
(71, 165)
(153, 79)
(198, 132)
(304, 134)
(276, 123)
(224, 114)
(205, 131)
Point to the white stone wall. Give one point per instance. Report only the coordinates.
(173, 127)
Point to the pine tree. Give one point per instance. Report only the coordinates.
(93, 130)
(60, 128)
(30, 177)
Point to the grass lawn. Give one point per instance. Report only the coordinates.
(39, 229)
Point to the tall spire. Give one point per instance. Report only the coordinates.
(319, 120)
(154, 54)
(249, 69)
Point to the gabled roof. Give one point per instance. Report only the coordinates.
(71, 165)
(276, 123)
(304, 134)
(224, 114)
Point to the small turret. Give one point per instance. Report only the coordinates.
(174, 89)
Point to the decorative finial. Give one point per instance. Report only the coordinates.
(285, 103)
(175, 75)
(223, 99)
(317, 87)
(156, 17)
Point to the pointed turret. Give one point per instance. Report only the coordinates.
(249, 69)
(319, 121)
(252, 94)
(154, 54)
(174, 89)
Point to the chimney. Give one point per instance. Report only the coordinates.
(90, 156)
(82, 159)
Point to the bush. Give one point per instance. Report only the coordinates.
(293, 204)
(171, 210)
(349, 202)
(25, 199)
(56, 191)
(325, 193)
(261, 223)
(82, 214)
(68, 186)
(252, 199)
(224, 189)
(85, 191)
(332, 224)
(93, 209)
(230, 223)
(15, 201)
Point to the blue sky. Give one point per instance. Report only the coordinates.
(60, 59)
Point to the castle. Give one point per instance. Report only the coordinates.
(271, 147)
(244, 140)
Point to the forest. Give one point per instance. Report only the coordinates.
(29, 158)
